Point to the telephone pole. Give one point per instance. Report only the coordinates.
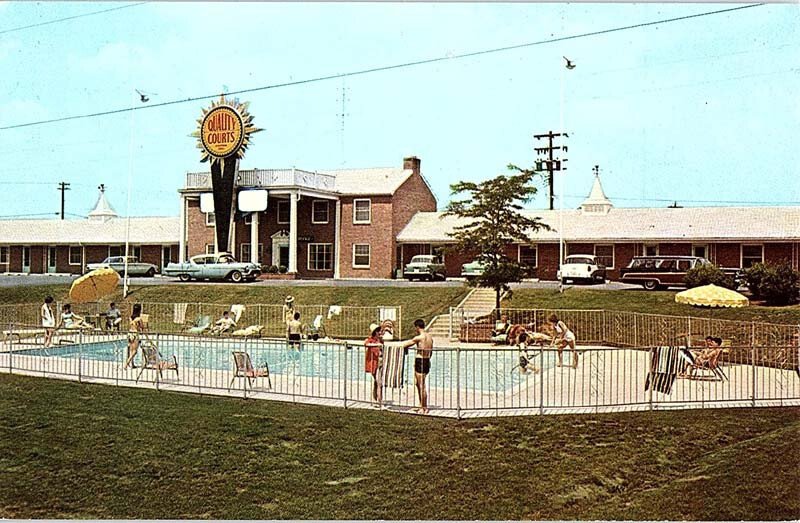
(547, 161)
(63, 186)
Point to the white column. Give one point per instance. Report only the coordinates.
(293, 232)
(254, 238)
(182, 232)
(336, 239)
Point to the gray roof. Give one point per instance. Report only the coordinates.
(144, 231)
(637, 224)
(376, 180)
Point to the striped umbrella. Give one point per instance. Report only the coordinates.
(711, 296)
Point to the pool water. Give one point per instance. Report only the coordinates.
(491, 371)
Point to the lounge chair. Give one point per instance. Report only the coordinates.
(154, 361)
(707, 359)
(243, 368)
(200, 325)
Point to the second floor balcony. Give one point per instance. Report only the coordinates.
(268, 178)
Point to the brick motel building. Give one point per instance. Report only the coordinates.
(67, 246)
(727, 236)
(367, 223)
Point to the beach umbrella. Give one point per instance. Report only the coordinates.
(711, 296)
(94, 285)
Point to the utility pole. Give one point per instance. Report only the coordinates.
(549, 162)
(63, 186)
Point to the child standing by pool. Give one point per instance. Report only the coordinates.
(373, 362)
(135, 329)
(48, 321)
(563, 337)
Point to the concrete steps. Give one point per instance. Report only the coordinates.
(479, 302)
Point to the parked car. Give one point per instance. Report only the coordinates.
(220, 266)
(658, 272)
(472, 269)
(582, 267)
(135, 267)
(425, 267)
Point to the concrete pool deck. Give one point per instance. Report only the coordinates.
(606, 380)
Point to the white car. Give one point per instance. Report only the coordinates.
(582, 267)
(135, 267)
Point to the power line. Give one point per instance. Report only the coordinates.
(384, 68)
(7, 216)
(681, 200)
(59, 20)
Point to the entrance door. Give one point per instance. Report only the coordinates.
(166, 256)
(283, 256)
(51, 259)
(26, 260)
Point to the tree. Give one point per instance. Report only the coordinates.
(493, 209)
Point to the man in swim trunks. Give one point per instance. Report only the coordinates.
(422, 362)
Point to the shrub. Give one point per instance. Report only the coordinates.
(753, 276)
(706, 274)
(282, 269)
(776, 284)
(272, 269)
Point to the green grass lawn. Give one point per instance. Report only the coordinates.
(417, 302)
(71, 450)
(639, 300)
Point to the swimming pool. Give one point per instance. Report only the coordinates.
(488, 370)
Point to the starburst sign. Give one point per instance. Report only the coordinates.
(224, 130)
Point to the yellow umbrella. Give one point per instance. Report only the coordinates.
(711, 296)
(94, 285)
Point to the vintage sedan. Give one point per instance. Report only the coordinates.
(221, 266)
(135, 267)
(473, 269)
(425, 267)
(582, 267)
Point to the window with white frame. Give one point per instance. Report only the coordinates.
(320, 211)
(4, 254)
(650, 249)
(245, 252)
(528, 256)
(361, 256)
(605, 255)
(439, 250)
(116, 250)
(135, 251)
(320, 256)
(752, 254)
(282, 208)
(700, 250)
(362, 211)
(211, 218)
(209, 248)
(75, 255)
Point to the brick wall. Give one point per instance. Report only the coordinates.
(728, 255)
(411, 197)
(776, 252)
(151, 254)
(675, 249)
(378, 234)
(547, 261)
(96, 253)
(38, 259)
(199, 233)
(15, 259)
(623, 254)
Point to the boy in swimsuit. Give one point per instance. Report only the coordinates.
(294, 329)
(422, 362)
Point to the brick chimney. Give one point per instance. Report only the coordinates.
(412, 162)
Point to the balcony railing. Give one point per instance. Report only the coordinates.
(269, 178)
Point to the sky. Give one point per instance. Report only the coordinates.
(702, 111)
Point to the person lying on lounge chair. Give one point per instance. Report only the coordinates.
(223, 324)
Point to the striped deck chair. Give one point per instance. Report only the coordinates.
(154, 361)
(243, 368)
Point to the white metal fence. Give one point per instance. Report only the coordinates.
(463, 382)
